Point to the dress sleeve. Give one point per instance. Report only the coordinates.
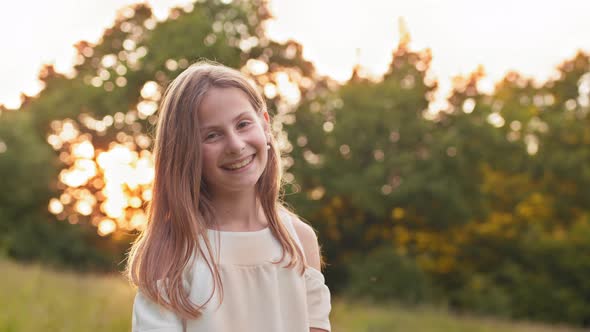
(318, 299)
(149, 316)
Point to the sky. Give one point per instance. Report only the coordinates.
(531, 37)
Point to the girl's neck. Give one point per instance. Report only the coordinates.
(239, 213)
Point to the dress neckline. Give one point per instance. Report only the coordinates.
(248, 247)
(239, 233)
(245, 248)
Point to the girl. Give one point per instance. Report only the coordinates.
(220, 253)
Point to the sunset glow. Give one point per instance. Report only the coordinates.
(121, 177)
(358, 32)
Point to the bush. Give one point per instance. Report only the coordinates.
(543, 278)
(483, 295)
(553, 284)
(385, 275)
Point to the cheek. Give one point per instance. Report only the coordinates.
(262, 143)
(259, 138)
(209, 159)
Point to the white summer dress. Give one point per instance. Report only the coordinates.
(259, 296)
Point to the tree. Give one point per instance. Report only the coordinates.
(100, 121)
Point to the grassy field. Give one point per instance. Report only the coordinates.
(33, 298)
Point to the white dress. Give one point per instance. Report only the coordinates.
(259, 296)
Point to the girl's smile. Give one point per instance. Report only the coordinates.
(240, 165)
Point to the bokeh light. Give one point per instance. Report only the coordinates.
(110, 187)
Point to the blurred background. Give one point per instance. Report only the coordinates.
(440, 149)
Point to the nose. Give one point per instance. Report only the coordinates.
(235, 143)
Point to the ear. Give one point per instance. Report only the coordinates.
(266, 117)
(266, 124)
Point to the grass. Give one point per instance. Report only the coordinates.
(347, 317)
(35, 298)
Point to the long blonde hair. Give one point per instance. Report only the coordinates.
(180, 209)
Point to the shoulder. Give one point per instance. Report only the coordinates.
(309, 242)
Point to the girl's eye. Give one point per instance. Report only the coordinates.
(211, 136)
(243, 124)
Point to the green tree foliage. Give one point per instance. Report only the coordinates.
(489, 196)
(27, 230)
(531, 247)
(374, 169)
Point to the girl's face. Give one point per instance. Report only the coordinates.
(233, 140)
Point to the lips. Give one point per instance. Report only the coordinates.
(238, 163)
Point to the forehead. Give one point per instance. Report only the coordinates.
(222, 104)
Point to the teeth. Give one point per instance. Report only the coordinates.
(241, 164)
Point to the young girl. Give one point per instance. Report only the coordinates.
(220, 253)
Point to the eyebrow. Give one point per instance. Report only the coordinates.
(233, 120)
